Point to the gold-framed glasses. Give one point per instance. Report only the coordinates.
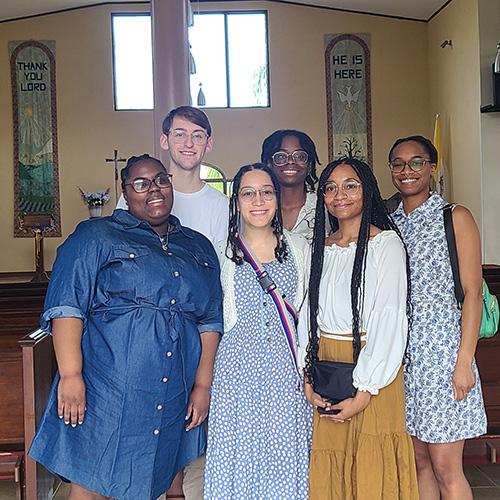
(180, 136)
(349, 187)
(248, 194)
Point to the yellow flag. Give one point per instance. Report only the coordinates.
(439, 184)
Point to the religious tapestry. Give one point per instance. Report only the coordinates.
(36, 177)
(347, 63)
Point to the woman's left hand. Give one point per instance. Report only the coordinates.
(349, 407)
(463, 380)
(197, 409)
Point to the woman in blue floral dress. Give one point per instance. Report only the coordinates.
(259, 429)
(444, 403)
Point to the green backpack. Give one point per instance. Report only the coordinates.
(491, 313)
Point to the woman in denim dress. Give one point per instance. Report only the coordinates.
(134, 306)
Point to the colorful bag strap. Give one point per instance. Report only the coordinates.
(269, 287)
(452, 250)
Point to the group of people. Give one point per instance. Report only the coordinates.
(185, 305)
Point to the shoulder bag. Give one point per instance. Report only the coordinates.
(491, 313)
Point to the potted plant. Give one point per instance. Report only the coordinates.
(95, 201)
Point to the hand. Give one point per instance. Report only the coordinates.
(313, 397)
(197, 408)
(463, 380)
(71, 399)
(349, 407)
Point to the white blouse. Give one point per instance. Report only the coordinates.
(383, 315)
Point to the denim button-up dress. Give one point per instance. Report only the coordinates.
(144, 303)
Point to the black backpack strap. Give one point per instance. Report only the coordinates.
(452, 250)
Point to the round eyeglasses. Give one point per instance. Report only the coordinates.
(349, 187)
(281, 158)
(416, 164)
(141, 184)
(180, 136)
(247, 195)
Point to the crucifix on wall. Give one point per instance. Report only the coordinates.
(116, 161)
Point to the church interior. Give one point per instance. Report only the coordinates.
(426, 59)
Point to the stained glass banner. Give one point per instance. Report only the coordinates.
(36, 177)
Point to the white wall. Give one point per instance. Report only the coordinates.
(489, 36)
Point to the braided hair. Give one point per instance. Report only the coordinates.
(232, 248)
(374, 213)
(272, 144)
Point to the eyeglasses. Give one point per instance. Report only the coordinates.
(416, 164)
(141, 184)
(181, 136)
(281, 158)
(247, 195)
(349, 187)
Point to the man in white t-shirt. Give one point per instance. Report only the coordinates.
(187, 136)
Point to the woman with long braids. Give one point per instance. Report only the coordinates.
(358, 310)
(444, 401)
(260, 422)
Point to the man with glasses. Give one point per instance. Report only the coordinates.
(187, 136)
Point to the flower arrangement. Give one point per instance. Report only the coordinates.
(97, 199)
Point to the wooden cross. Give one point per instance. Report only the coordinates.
(116, 161)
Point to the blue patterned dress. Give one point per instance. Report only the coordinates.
(259, 430)
(432, 414)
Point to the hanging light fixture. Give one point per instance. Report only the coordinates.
(201, 96)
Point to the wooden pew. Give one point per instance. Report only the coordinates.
(487, 356)
(20, 307)
(39, 366)
(21, 304)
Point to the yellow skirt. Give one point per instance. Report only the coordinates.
(370, 457)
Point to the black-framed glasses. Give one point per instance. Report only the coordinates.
(416, 164)
(180, 136)
(248, 194)
(141, 184)
(281, 158)
(350, 187)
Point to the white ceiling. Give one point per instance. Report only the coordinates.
(414, 9)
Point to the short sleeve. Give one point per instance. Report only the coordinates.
(211, 319)
(73, 279)
(387, 323)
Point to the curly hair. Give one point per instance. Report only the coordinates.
(374, 213)
(232, 249)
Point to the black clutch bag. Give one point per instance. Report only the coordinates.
(332, 380)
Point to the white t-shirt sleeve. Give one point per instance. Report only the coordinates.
(122, 203)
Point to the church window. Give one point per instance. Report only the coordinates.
(216, 178)
(229, 62)
(132, 61)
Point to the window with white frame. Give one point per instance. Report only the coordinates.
(229, 61)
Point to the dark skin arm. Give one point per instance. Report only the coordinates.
(469, 262)
(199, 399)
(67, 337)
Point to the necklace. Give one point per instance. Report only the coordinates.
(164, 239)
